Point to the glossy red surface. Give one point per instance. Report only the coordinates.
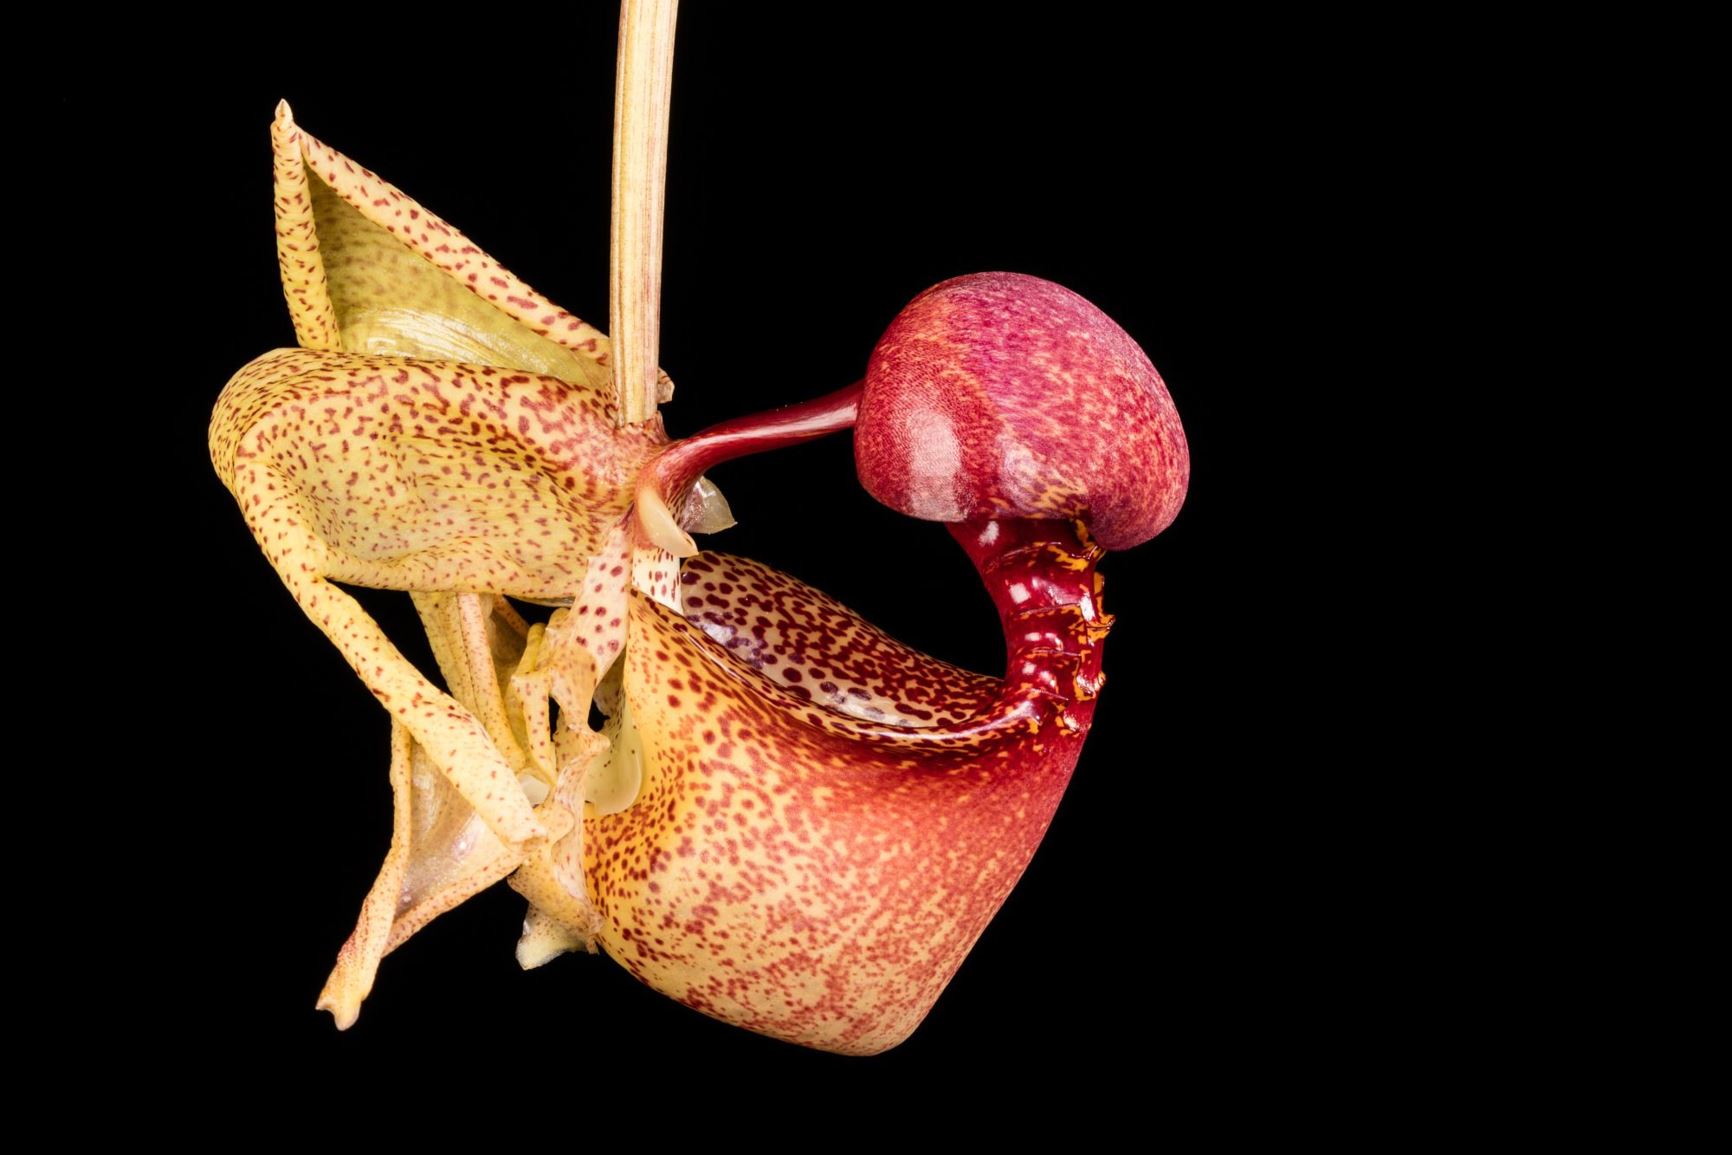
(1003, 395)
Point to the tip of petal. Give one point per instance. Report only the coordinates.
(544, 940)
(285, 115)
(344, 1010)
(659, 525)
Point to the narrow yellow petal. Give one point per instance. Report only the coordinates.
(358, 961)
(457, 629)
(441, 850)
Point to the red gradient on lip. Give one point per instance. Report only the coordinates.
(1002, 395)
(828, 819)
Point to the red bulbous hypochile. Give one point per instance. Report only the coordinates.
(1000, 395)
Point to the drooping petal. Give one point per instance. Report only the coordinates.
(441, 850)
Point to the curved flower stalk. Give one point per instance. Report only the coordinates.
(789, 820)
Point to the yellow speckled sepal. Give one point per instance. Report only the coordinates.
(367, 269)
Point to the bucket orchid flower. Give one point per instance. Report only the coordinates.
(789, 821)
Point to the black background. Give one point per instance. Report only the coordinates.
(823, 171)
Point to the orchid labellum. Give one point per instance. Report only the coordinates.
(788, 821)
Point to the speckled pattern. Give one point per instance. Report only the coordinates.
(819, 650)
(791, 821)
(1003, 395)
(367, 269)
(814, 874)
(408, 474)
(431, 476)
(449, 432)
(442, 852)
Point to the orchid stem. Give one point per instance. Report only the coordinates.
(643, 91)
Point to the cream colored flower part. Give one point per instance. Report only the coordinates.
(448, 431)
